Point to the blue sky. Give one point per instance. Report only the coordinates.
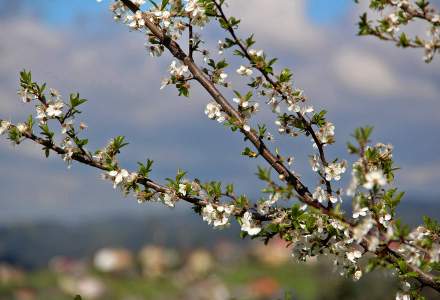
(66, 11)
(75, 46)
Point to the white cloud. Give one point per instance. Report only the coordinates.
(364, 72)
(419, 177)
(280, 23)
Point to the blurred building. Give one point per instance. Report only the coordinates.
(155, 261)
(67, 265)
(110, 260)
(88, 287)
(275, 253)
(10, 275)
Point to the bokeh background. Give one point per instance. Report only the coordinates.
(48, 210)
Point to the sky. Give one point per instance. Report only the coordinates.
(76, 46)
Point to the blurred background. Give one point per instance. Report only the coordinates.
(66, 230)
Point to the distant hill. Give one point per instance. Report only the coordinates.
(31, 245)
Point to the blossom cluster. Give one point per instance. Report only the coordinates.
(397, 14)
(311, 219)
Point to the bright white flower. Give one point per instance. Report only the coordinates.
(221, 47)
(253, 52)
(163, 15)
(244, 71)
(182, 189)
(213, 111)
(178, 70)
(25, 95)
(384, 220)
(393, 19)
(357, 275)
(248, 224)
(22, 128)
(66, 126)
(241, 102)
(169, 199)
(264, 206)
(301, 109)
(196, 11)
(222, 77)
(218, 217)
(69, 148)
(361, 212)
(246, 127)
(363, 228)
(55, 109)
(4, 126)
(401, 296)
(326, 134)
(334, 171)
(320, 194)
(118, 176)
(314, 163)
(136, 21)
(335, 198)
(374, 178)
(354, 255)
(41, 114)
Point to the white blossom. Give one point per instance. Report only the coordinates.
(333, 171)
(357, 275)
(244, 71)
(55, 109)
(41, 114)
(360, 213)
(248, 224)
(326, 134)
(197, 12)
(25, 95)
(402, 296)
(118, 176)
(354, 255)
(4, 126)
(182, 189)
(22, 127)
(314, 163)
(178, 70)
(213, 111)
(169, 199)
(136, 21)
(217, 216)
(374, 178)
(163, 15)
(384, 220)
(253, 52)
(320, 194)
(243, 103)
(222, 77)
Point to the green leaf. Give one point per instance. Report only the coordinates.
(431, 224)
(285, 75)
(144, 170)
(75, 100)
(164, 4)
(263, 174)
(248, 152)
(46, 131)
